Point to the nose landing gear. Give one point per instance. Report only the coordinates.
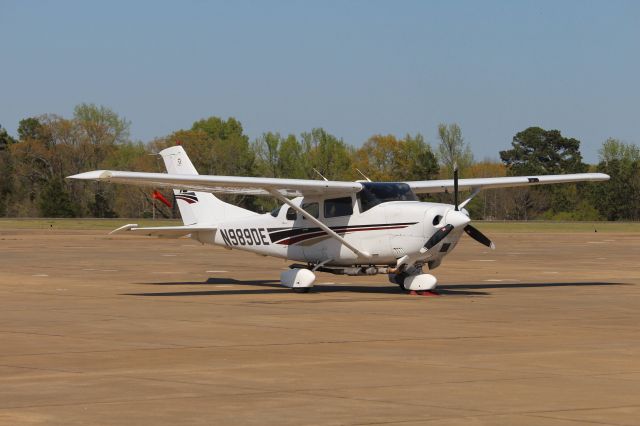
(417, 284)
(300, 280)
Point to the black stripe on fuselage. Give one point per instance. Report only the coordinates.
(277, 234)
(191, 197)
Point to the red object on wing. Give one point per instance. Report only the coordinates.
(158, 196)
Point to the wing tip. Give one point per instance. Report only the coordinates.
(124, 228)
(92, 175)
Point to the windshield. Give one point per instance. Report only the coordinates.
(374, 193)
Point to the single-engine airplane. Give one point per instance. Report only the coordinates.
(352, 228)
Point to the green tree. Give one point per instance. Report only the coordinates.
(618, 198)
(536, 151)
(132, 201)
(387, 158)
(327, 154)
(614, 149)
(5, 139)
(96, 132)
(379, 158)
(55, 200)
(291, 159)
(52, 147)
(267, 150)
(452, 149)
(101, 125)
(30, 129)
(217, 128)
(219, 147)
(416, 159)
(6, 180)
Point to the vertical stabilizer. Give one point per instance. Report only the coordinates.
(201, 208)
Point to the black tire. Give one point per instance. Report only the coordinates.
(400, 279)
(302, 289)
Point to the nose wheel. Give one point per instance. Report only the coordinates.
(400, 280)
(418, 284)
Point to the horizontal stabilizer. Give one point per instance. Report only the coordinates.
(163, 231)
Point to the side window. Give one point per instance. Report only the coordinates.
(312, 208)
(291, 214)
(335, 207)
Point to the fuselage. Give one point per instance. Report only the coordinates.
(386, 231)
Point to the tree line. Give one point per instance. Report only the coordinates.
(49, 147)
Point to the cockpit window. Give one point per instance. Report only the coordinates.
(374, 193)
(312, 208)
(335, 207)
(275, 211)
(291, 214)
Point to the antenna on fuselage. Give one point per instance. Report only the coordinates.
(319, 174)
(363, 175)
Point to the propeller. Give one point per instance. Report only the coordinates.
(440, 235)
(479, 236)
(472, 231)
(455, 186)
(452, 219)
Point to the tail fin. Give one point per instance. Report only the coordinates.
(201, 208)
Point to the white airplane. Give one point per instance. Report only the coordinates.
(352, 228)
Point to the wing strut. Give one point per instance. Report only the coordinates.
(322, 226)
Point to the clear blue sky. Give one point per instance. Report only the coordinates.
(356, 68)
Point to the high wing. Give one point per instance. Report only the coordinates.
(446, 185)
(225, 184)
(306, 187)
(163, 231)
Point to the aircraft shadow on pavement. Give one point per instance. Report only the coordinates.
(222, 281)
(524, 285)
(273, 286)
